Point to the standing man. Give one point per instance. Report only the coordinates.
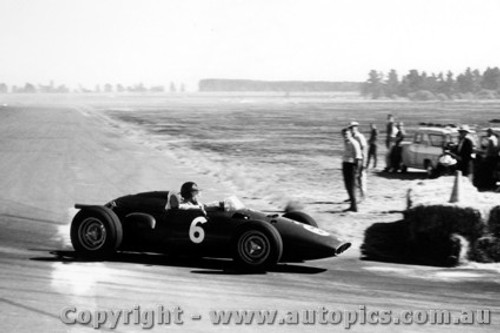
(390, 140)
(350, 161)
(465, 151)
(372, 146)
(361, 174)
(397, 150)
(491, 158)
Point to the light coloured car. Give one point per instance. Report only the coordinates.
(427, 145)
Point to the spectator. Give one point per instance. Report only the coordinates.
(351, 158)
(361, 172)
(372, 146)
(491, 159)
(396, 151)
(390, 140)
(464, 152)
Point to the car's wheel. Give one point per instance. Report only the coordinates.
(301, 217)
(96, 231)
(257, 246)
(404, 168)
(429, 170)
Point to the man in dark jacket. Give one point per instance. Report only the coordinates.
(464, 152)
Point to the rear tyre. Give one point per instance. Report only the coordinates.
(301, 217)
(257, 246)
(96, 232)
(429, 170)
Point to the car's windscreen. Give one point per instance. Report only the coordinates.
(436, 140)
(232, 203)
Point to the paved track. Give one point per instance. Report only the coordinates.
(54, 156)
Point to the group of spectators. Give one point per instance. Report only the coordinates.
(395, 135)
(359, 153)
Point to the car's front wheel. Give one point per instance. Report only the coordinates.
(257, 246)
(96, 231)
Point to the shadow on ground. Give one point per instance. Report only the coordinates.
(414, 175)
(200, 265)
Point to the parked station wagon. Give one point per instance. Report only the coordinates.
(427, 146)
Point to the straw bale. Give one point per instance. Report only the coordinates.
(494, 221)
(486, 249)
(386, 241)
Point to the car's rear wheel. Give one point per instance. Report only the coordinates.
(96, 231)
(429, 170)
(257, 246)
(301, 217)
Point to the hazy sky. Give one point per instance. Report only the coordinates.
(158, 41)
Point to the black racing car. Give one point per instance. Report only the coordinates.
(152, 222)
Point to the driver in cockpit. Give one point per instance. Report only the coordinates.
(190, 193)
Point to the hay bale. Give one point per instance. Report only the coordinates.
(386, 242)
(487, 249)
(434, 230)
(494, 221)
(444, 220)
(392, 242)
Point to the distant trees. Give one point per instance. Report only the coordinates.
(108, 88)
(421, 86)
(30, 88)
(233, 85)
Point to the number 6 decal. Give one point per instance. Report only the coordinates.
(196, 232)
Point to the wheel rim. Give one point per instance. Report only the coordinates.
(92, 234)
(428, 168)
(254, 247)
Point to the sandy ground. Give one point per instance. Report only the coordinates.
(56, 154)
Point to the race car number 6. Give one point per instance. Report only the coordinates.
(196, 232)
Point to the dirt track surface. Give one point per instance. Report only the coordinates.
(54, 156)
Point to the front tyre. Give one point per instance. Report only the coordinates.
(301, 217)
(96, 231)
(257, 246)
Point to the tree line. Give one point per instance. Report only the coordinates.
(106, 88)
(471, 84)
(240, 85)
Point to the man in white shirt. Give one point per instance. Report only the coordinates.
(351, 159)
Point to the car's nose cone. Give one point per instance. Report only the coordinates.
(304, 242)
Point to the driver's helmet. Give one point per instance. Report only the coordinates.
(188, 188)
